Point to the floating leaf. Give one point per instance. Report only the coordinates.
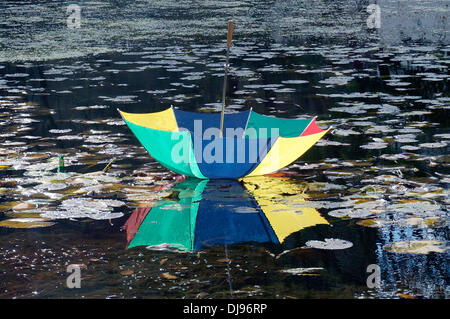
(433, 145)
(201, 295)
(329, 244)
(419, 247)
(351, 213)
(374, 222)
(224, 260)
(23, 214)
(374, 146)
(163, 261)
(302, 271)
(8, 205)
(50, 187)
(423, 222)
(294, 82)
(127, 272)
(337, 80)
(24, 206)
(413, 206)
(25, 223)
(168, 276)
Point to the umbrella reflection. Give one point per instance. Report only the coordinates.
(204, 213)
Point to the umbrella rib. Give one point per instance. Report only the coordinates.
(263, 218)
(176, 120)
(246, 123)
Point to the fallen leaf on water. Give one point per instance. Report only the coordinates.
(25, 223)
(423, 222)
(24, 214)
(201, 295)
(163, 261)
(24, 206)
(38, 156)
(303, 271)
(434, 222)
(374, 222)
(419, 247)
(9, 184)
(405, 296)
(169, 276)
(223, 260)
(127, 272)
(8, 205)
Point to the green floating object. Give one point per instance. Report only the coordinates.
(61, 168)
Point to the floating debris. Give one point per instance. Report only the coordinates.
(374, 222)
(168, 276)
(351, 213)
(303, 271)
(417, 247)
(26, 223)
(127, 272)
(329, 244)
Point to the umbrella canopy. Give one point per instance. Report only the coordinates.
(204, 213)
(252, 144)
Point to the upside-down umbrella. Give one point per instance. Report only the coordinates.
(203, 213)
(189, 143)
(219, 145)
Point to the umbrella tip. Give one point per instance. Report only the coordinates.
(120, 112)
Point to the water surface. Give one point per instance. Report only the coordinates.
(379, 180)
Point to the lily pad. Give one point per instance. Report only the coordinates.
(374, 222)
(350, 213)
(329, 244)
(433, 145)
(423, 222)
(25, 223)
(417, 247)
(17, 206)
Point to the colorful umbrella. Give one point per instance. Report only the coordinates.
(222, 145)
(202, 213)
(253, 144)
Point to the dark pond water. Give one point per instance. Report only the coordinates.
(374, 191)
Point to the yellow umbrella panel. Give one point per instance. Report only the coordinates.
(286, 214)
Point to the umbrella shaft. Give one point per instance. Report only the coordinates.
(224, 92)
